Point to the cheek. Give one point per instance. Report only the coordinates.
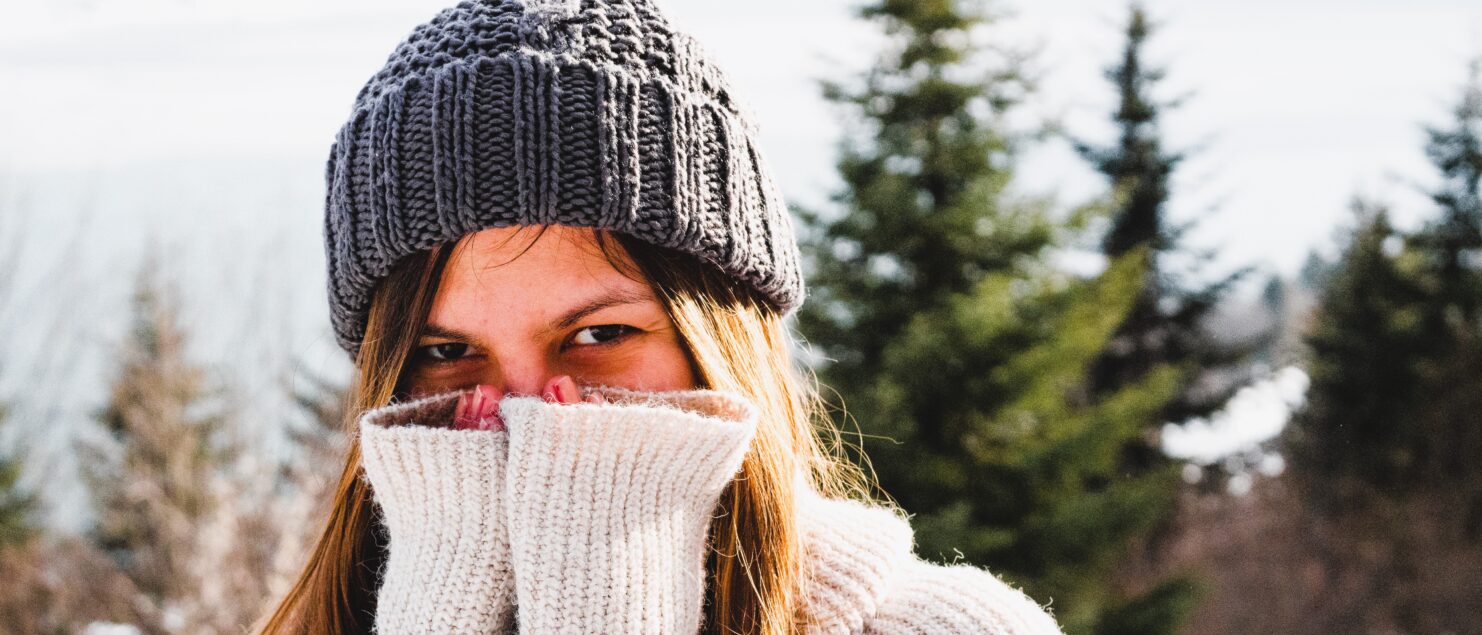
(658, 365)
(414, 385)
(674, 373)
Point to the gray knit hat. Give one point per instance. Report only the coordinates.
(593, 113)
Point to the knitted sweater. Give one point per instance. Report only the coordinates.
(594, 518)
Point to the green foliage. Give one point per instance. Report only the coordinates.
(1447, 253)
(962, 352)
(17, 506)
(1138, 166)
(1450, 244)
(1363, 363)
(1164, 324)
(1153, 612)
(1448, 256)
(1384, 452)
(1396, 349)
(926, 211)
(1044, 499)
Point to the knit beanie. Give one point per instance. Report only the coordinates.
(592, 113)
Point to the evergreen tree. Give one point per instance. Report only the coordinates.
(1397, 348)
(1452, 243)
(156, 479)
(962, 351)
(926, 214)
(18, 506)
(1447, 437)
(307, 478)
(1027, 479)
(1363, 355)
(1384, 451)
(1164, 325)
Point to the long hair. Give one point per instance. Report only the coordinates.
(734, 340)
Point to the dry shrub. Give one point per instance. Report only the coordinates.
(1275, 566)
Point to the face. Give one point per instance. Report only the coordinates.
(517, 320)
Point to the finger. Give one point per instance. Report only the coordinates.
(488, 412)
(488, 400)
(566, 390)
(462, 414)
(559, 389)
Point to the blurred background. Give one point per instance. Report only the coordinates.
(1168, 313)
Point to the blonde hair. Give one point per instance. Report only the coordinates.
(735, 341)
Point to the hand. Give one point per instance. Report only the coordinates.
(563, 389)
(478, 407)
(440, 492)
(610, 506)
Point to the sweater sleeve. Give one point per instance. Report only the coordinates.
(440, 493)
(957, 599)
(853, 551)
(610, 507)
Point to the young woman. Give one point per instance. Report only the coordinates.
(562, 268)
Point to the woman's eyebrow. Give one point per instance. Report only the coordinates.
(612, 297)
(434, 330)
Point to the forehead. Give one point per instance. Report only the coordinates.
(521, 267)
(525, 246)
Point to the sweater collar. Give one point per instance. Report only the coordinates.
(852, 551)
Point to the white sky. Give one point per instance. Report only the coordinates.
(1301, 103)
(207, 124)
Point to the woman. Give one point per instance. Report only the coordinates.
(562, 268)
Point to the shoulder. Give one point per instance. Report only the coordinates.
(946, 599)
(863, 577)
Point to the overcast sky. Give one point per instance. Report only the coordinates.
(1299, 104)
(207, 125)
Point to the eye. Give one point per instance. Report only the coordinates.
(442, 353)
(600, 334)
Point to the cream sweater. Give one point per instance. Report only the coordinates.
(594, 518)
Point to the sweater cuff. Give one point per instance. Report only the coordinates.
(853, 550)
(440, 493)
(610, 506)
(958, 599)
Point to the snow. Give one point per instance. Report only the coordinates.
(1255, 414)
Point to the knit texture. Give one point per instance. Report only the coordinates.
(600, 513)
(440, 491)
(592, 113)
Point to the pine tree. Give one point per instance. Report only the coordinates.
(1164, 325)
(1447, 437)
(961, 352)
(1382, 454)
(1028, 480)
(307, 479)
(1384, 451)
(1452, 243)
(1350, 436)
(18, 506)
(156, 480)
(926, 214)
(1398, 343)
